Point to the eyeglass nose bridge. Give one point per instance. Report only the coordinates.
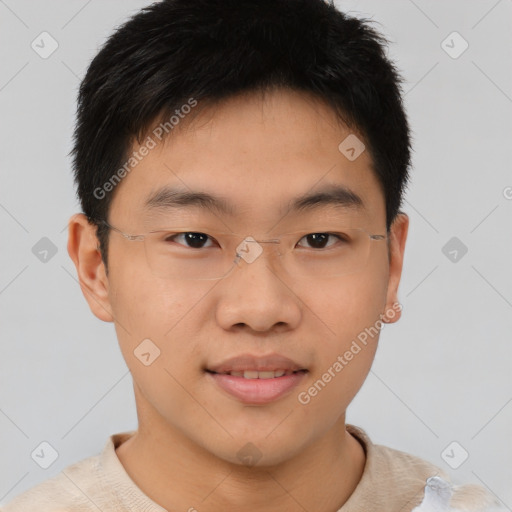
(250, 249)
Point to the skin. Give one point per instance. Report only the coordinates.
(258, 152)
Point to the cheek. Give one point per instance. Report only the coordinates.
(347, 305)
(349, 316)
(354, 321)
(147, 307)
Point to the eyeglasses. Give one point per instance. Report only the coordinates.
(195, 253)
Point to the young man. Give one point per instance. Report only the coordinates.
(241, 166)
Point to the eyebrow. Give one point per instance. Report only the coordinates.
(168, 198)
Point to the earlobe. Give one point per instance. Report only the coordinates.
(84, 251)
(398, 237)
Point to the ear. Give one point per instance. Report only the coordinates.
(398, 236)
(83, 248)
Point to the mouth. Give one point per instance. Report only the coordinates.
(256, 380)
(257, 388)
(250, 366)
(255, 374)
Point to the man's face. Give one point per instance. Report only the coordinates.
(258, 155)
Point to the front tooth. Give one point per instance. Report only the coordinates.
(266, 375)
(279, 373)
(248, 374)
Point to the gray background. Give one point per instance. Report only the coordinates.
(442, 373)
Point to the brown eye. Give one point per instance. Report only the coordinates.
(189, 239)
(321, 240)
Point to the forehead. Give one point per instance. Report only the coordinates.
(254, 156)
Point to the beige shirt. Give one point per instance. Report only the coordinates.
(392, 481)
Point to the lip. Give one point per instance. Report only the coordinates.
(269, 362)
(257, 391)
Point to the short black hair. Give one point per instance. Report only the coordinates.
(209, 50)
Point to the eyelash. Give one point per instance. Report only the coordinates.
(171, 238)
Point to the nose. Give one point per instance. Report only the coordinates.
(256, 296)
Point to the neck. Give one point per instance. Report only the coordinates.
(178, 474)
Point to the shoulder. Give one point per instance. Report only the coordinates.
(440, 494)
(394, 468)
(61, 492)
(92, 484)
(399, 479)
